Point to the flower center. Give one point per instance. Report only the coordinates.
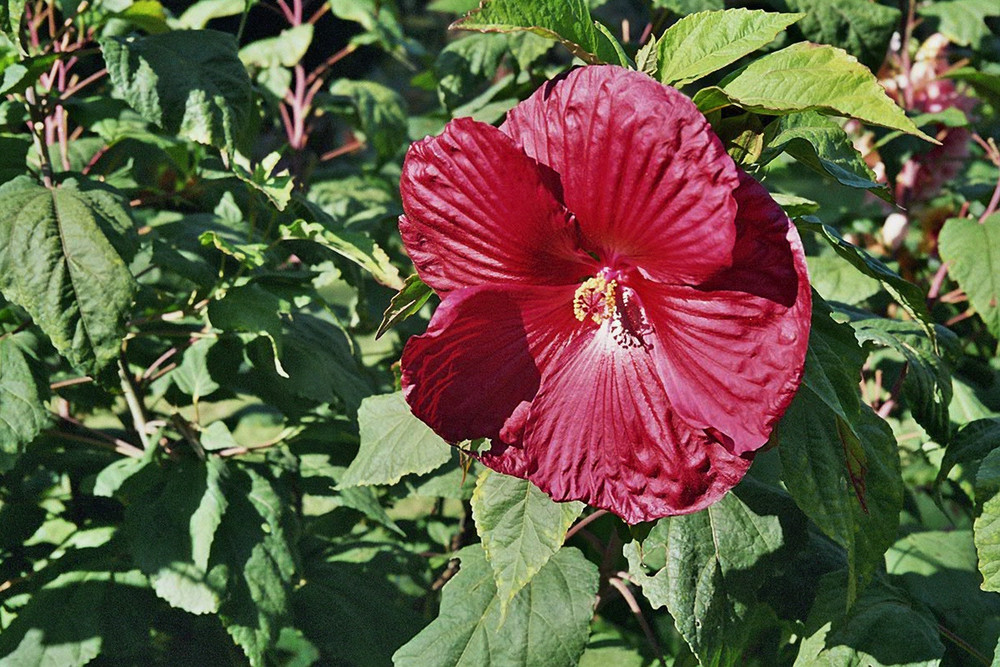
(595, 298)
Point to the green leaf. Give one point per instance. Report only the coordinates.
(972, 251)
(284, 50)
(250, 255)
(809, 77)
(76, 239)
(252, 310)
(646, 57)
(467, 65)
(822, 145)
(200, 13)
(927, 386)
(381, 111)
(546, 624)
(147, 15)
(689, 6)
(521, 528)
(566, 21)
(11, 13)
(986, 528)
(702, 43)
(318, 359)
(79, 615)
(379, 22)
(837, 280)
(706, 569)
(13, 156)
(884, 627)
(189, 82)
(987, 85)
(23, 414)
(192, 375)
(406, 302)
(254, 549)
(19, 76)
(971, 443)
(939, 569)
(319, 477)
(839, 459)
(355, 246)
(170, 528)
(339, 621)
(393, 443)
(963, 21)
(906, 294)
(860, 27)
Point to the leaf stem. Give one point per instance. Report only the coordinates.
(582, 523)
(633, 605)
(134, 403)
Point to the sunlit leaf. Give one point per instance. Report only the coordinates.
(63, 255)
(546, 624)
(567, 21)
(393, 443)
(521, 528)
(705, 568)
(972, 250)
(809, 77)
(702, 43)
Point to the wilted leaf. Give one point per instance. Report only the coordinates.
(355, 246)
(405, 303)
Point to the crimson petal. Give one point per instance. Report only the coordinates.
(480, 357)
(477, 209)
(640, 168)
(600, 430)
(733, 349)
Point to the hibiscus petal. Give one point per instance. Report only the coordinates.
(640, 168)
(477, 210)
(480, 357)
(601, 430)
(732, 350)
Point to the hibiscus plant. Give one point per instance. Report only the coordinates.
(513, 332)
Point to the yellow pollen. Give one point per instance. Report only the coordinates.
(595, 298)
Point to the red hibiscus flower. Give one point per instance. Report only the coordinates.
(624, 312)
